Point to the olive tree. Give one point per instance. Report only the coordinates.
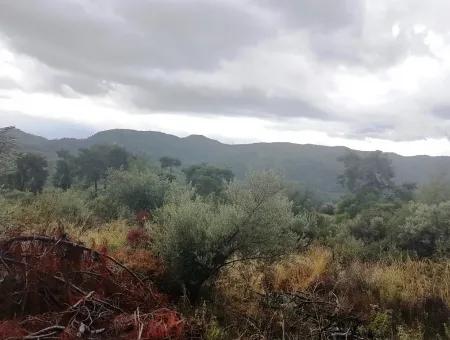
(136, 189)
(197, 237)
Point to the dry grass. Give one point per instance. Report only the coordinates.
(416, 292)
(112, 235)
(410, 281)
(299, 272)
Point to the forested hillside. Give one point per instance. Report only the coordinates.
(105, 244)
(317, 167)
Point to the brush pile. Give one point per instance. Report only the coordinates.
(53, 288)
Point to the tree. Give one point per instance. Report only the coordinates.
(437, 190)
(370, 179)
(372, 174)
(115, 156)
(94, 162)
(65, 168)
(137, 190)
(31, 173)
(168, 162)
(303, 199)
(196, 238)
(208, 179)
(7, 148)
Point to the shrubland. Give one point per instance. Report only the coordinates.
(255, 257)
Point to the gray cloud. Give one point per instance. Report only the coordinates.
(50, 128)
(275, 59)
(129, 36)
(214, 101)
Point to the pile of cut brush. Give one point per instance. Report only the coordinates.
(53, 288)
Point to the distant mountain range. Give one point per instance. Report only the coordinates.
(313, 165)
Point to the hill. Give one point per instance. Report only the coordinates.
(314, 165)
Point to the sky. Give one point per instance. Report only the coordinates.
(370, 75)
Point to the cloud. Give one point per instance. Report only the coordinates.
(350, 69)
(50, 128)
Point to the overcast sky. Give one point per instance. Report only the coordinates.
(365, 74)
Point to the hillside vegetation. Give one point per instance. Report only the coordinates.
(316, 167)
(103, 243)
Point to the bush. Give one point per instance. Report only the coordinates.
(372, 224)
(426, 230)
(136, 190)
(53, 206)
(197, 237)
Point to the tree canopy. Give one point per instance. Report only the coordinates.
(208, 179)
(93, 163)
(169, 162)
(65, 168)
(373, 173)
(31, 173)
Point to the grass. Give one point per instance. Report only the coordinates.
(400, 299)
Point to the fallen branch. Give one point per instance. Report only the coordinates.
(41, 334)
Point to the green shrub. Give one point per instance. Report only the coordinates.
(426, 230)
(135, 190)
(198, 237)
(52, 206)
(381, 325)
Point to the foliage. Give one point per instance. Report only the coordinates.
(426, 230)
(7, 148)
(208, 179)
(377, 265)
(314, 165)
(437, 190)
(169, 162)
(372, 173)
(303, 199)
(310, 226)
(51, 207)
(31, 173)
(197, 237)
(93, 163)
(65, 170)
(370, 180)
(381, 325)
(372, 224)
(136, 190)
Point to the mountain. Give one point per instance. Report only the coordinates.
(314, 165)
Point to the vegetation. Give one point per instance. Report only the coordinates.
(168, 162)
(65, 170)
(207, 179)
(312, 165)
(6, 150)
(197, 237)
(31, 173)
(251, 257)
(93, 163)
